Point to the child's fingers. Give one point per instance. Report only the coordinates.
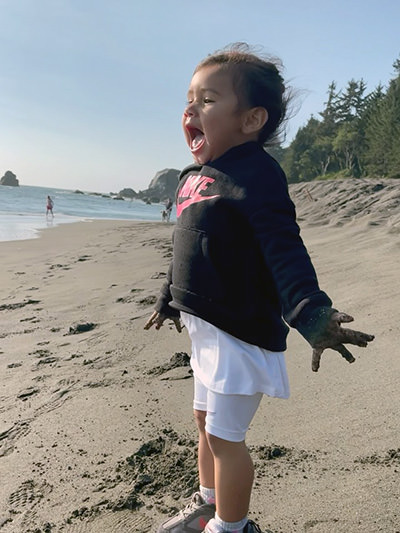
(344, 352)
(317, 352)
(359, 338)
(316, 359)
(178, 325)
(148, 324)
(336, 339)
(152, 320)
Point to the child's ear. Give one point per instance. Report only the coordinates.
(254, 120)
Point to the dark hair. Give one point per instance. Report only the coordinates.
(257, 83)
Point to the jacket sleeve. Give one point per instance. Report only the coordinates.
(162, 305)
(285, 255)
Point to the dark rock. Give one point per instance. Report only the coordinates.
(9, 179)
(127, 193)
(164, 183)
(81, 328)
(179, 359)
(161, 187)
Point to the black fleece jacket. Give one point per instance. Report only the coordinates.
(238, 259)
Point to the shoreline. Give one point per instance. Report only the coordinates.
(16, 227)
(28, 227)
(95, 424)
(23, 211)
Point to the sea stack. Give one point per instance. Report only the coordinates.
(10, 179)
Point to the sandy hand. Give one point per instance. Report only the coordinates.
(157, 319)
(333, 336)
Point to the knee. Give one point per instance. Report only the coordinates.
(216, 444)
(225, 448)
(200, 418)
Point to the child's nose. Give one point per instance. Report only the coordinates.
(189, 110)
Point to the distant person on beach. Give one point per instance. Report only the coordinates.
(166, 213)
(240, 274)
(49, 206)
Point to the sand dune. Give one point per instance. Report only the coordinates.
(96, 431)
(337, 202)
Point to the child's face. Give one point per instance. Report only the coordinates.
(212, 120)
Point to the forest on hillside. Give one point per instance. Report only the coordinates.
(356, 135)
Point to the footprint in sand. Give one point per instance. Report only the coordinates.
(10, 435)
(159, 275)
(18, 305)
(27, 393)
(14, 365)
(83, 258)
(27, 494)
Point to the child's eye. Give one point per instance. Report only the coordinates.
(204, 100)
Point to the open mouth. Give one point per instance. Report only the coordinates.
(196, 138)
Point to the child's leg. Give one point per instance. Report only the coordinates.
(195, 516)
(205, 457)
(227, 421)
(234, 474)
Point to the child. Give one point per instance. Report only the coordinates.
(238, 266)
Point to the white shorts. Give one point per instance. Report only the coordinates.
(228, 415)
(228, 365)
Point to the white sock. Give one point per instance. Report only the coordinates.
(217, 525)
(208, 495)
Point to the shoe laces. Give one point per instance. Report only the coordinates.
(194, 504)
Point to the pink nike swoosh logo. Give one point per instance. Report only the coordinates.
(191, 190)
(195, 200)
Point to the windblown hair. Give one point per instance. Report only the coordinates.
(257, 82)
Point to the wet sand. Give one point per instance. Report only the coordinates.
(96, 429)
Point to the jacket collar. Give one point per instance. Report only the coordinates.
(239, 151)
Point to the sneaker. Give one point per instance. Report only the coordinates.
(252, 527)
(192, 519)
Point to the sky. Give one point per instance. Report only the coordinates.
(92, 91)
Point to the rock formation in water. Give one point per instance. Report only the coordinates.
(9, 179)
(161, 187)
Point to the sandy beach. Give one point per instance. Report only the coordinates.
(96, 429)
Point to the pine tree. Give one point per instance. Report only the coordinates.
(383, 132)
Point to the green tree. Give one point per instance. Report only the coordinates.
(382, 156)
(358, 134)
(351, 102)
(346, 144)
(371, 103)
(329, 115)
(299, 162)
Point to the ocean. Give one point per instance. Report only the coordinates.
(23, 210)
